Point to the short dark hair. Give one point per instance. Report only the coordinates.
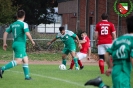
(129, 22)
(61, 28)
(20, 13)
(104, 16)
(83, 32)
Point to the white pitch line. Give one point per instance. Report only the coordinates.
(62, 80)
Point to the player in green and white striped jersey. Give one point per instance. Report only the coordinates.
(67, 38)
(20, 30)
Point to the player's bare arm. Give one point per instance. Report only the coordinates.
(79, 45)
(109, 63)
(96, 36)
(82, 41)
(107, 59)
(114, 35)
(51, 41)
(4, 40)
(131, 59)
(30, 38)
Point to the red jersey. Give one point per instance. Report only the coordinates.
(105, 29)
(85, 46)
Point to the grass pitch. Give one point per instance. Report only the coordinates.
(49, 76)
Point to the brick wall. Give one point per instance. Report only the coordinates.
(96, 15)
(70, 20)
(68, 10)
(82, 14)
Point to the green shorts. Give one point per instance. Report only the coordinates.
(68, 50)
(120, 79)
(19, 50)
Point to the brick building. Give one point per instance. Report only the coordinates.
(80, 14)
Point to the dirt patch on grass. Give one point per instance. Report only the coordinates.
(84, 61)
(92, 61)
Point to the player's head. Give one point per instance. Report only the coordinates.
(83, 34)
(104, 16)
(129, 22)
(20, 14)
(62, 30)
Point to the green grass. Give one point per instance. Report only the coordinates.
(49, 76)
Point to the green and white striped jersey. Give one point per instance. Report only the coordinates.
(67, 38)
(18, 29)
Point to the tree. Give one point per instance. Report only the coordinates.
(7, 11)
(37, 11)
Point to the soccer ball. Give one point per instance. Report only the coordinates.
(62, 67)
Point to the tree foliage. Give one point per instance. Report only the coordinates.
(37, 11)
(7, 12)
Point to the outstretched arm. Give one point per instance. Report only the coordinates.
(51, 41)
(4, 40)
(77, 38)
(82, 41)
(78, 42)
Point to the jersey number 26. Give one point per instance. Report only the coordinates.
(104, 30)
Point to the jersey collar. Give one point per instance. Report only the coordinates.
(20, 20)
(105, 20)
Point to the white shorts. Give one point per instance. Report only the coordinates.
(81, 55)
(102, 48)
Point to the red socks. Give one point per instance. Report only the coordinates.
(80, 63)
(72, 64)
(101, 66)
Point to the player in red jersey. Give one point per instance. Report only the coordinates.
(104, 35)
(85, 50)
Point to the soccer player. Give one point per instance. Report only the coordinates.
(20, 30)
(122, 55)
(104, 33)
(84, 50)
(67, 38)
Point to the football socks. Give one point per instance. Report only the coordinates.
(80, 63)
(75, 61)
(9, 65)
(64, 62)
(101, 66)
(72, 64)
(26, 70)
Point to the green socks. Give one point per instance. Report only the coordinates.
(75, 61)
(13, 63)
(101, 85)
(26, 70)
(64, 62)
(9, 65)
